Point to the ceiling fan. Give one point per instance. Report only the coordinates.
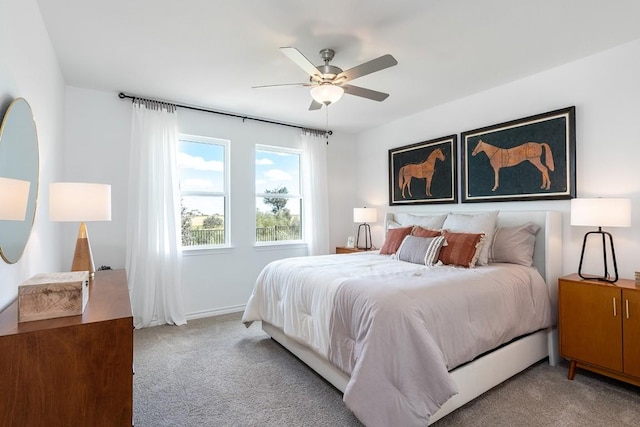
(328, 81)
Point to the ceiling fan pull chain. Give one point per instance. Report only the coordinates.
(327, 132)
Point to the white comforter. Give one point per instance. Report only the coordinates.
(450, 314)
(296, 294)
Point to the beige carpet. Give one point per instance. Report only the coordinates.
(215, 372)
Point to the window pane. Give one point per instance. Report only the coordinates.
(278, 219)
(202, 220)
(203, 174)
(201, 166)
(276, 170)
(278, 195)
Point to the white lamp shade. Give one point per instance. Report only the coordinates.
(364, 215)
(74, 201)
(326, 93)
(601, 212)
(14, 196)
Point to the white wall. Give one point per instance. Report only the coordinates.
(29, 69)
(605, 90)
(97, 133)
(98, 128)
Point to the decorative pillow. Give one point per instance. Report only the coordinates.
(514, 244)
(478, 223)
(420, 250)
(461, 249)
(425, 232)
(394, 239)
(431, 221)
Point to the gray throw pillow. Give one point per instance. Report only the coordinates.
(420, 250)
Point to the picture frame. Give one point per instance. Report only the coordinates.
(351, 242)
(533, 158)
(424, 173)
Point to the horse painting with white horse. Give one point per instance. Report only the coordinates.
(423, 170)
(508, 157)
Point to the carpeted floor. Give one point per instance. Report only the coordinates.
(215, 372)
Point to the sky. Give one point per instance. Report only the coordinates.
(202, 169)
(274, 170)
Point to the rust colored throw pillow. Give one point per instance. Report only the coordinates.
(461, 248)
(395, 236)
(425, 232)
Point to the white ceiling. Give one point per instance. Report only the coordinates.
(210, 53)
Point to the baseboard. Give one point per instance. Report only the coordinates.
(215, 312)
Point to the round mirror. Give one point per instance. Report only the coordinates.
(18, 161)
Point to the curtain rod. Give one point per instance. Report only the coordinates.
(123, 95)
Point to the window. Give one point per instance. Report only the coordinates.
(204, 191)
(278, 195)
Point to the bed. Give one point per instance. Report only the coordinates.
(315, 326)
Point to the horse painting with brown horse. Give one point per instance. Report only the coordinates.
(507, 157)
(419, 170)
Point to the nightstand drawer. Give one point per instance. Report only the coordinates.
(345, 250)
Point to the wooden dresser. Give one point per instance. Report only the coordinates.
(599, 326)
(70, 371)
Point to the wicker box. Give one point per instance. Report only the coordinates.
(49, 295)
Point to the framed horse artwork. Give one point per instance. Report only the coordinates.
(533, 158)
(424, 173)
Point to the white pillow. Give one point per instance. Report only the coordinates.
(433, 222)
(514, 244)
(392, 224)
(477, 223)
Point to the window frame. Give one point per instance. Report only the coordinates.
(300, 196)
(225, 193)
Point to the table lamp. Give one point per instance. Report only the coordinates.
(363, 216)
(74, 201)
(601, 212)
(14, 197)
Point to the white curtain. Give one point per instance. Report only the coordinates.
(316, 193)
(154, 259)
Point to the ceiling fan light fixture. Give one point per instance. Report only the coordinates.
(327, 93)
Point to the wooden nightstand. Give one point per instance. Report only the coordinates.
(599, 326)
(345, 250)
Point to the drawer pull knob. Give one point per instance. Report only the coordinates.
(626, 303)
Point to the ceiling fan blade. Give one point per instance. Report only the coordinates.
(385, 61)
(365, 93)
(301, 61)
(315, 105)
(283, 84)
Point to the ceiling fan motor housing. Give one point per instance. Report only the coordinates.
(329, 72)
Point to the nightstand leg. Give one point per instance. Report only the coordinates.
(572, 370)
